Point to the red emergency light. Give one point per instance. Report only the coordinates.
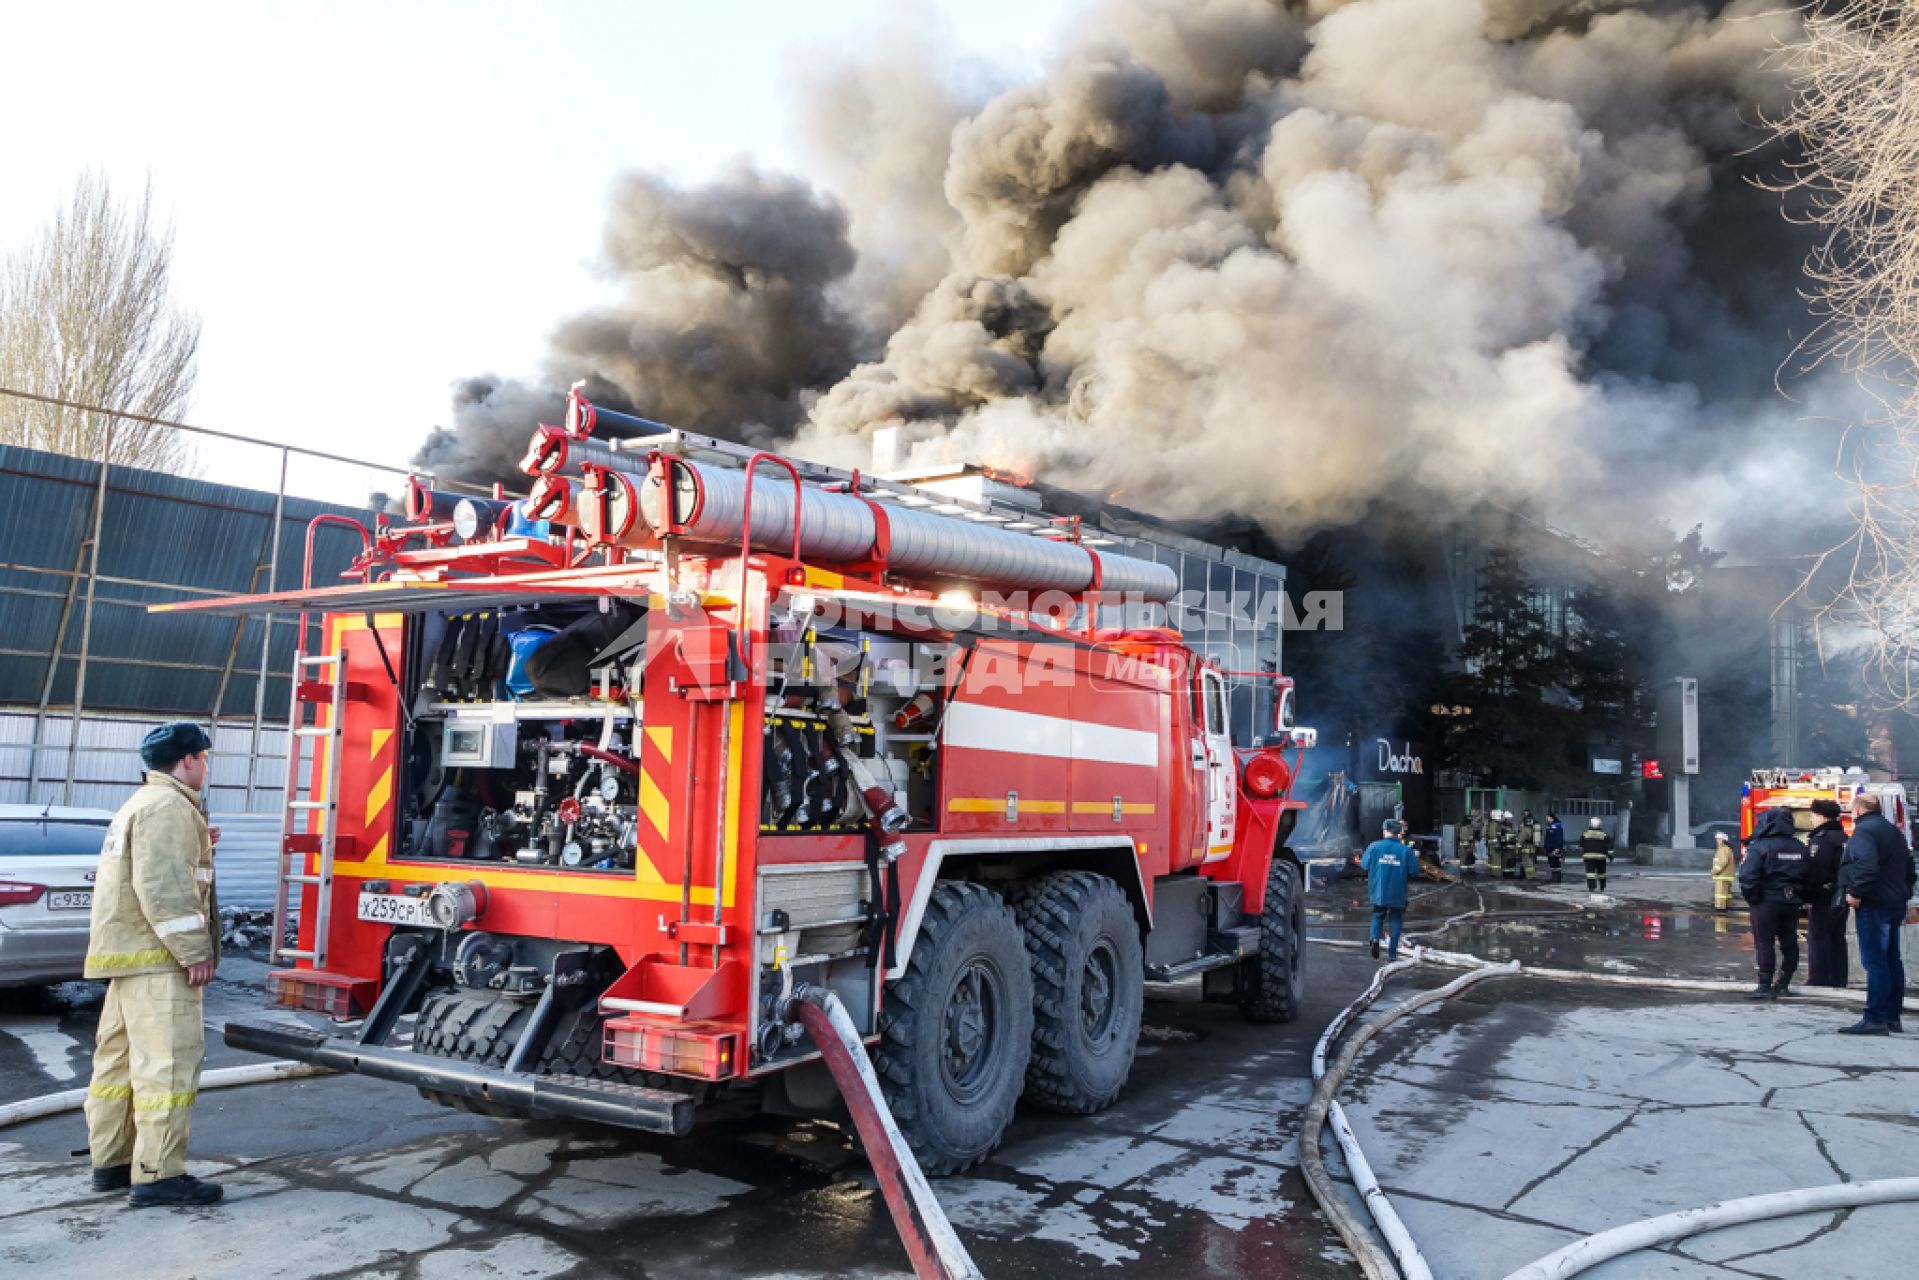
(1649, 768)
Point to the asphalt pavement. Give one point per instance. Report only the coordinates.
(1504, 1124)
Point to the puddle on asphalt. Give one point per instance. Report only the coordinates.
(1555, 927)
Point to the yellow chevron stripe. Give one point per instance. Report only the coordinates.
(377, 797)
(379, 851)
(379, 740)
(653, 804)
(661, 736)
(735, 763)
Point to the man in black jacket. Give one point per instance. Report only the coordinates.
(1825, 909)
(1773, 878)
(1876, 875)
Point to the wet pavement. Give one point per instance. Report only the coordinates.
(1503, 1123)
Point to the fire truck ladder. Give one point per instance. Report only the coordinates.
(308, 826)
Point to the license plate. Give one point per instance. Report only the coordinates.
(69, 899)
(393, 908)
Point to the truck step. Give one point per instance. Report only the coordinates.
(1228, 946)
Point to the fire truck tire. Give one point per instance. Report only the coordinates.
(1089, 988)
(1273, 983)
(956, 1029)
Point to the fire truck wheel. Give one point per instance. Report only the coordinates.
(1089, 986)
(1273, 983)
(470, 1027)
(956, 1029)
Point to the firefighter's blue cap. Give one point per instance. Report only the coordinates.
(171, 743)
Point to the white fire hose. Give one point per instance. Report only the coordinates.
(54, 1104)
(1581, 1254)
(1652, 1232)
(1405, 1252)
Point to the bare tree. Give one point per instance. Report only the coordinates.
(1853, 123)
(87, 316)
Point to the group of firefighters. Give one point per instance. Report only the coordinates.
(1514, 846)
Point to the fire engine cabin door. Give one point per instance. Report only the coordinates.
(1222, 790)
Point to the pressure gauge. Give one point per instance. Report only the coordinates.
(609, 786)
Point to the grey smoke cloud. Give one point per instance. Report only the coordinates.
(1286, 259)
(1282, 258)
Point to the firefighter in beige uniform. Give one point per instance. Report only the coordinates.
(155, 936)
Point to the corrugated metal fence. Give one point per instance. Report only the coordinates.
(108, 769)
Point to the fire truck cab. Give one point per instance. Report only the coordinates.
(590, 786)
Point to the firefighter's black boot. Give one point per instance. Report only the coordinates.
(180, 1189)
(1764, 991)
(1780, 987)
(113, 1177)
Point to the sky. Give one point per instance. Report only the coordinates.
(374, 200)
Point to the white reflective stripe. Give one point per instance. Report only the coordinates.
(203, 874)
(981, 728)
(180, 924)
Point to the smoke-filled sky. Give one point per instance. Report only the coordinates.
(1283, 259)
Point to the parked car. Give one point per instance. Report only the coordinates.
(48, 858)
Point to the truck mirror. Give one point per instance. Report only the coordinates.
(1283, 710)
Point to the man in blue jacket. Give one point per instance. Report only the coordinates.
(1389, 865)
(1555, 845)
(1876, 879)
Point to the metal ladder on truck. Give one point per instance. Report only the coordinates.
(309, 827)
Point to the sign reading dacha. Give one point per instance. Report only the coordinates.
(1397, 763)
(1404, 766)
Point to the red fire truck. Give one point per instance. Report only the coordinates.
(1796, 789)
(592, 784)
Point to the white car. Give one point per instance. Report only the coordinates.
(48, 858)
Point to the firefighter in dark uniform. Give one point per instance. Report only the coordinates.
(1773, 878)
(1595, 848)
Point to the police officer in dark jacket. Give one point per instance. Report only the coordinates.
(1825, 909)
(1876, 877)
(1773, 879)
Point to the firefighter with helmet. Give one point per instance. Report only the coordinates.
(155, 937)
(1504, 846)
(1528, 846)
(1466, 841)
(1595, 848)
(1725, 869)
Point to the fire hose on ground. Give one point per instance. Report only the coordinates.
(935, 1250)
(54, 1104)
(1405, 1259)
(1372, 1260)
